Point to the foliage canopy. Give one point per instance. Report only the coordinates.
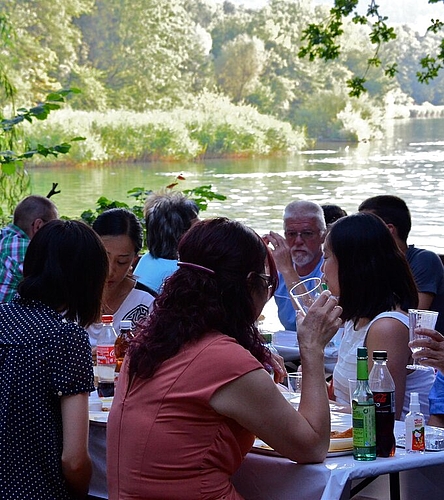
(290, 60)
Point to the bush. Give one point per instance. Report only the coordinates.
(210, 127)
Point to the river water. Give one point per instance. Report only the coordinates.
(408, 162)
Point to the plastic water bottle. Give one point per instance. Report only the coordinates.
(106, 359)
(363, 410)
(383, 389)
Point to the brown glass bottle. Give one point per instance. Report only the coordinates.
(121, 345)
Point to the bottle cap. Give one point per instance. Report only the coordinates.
(362, 352)
(107, 318)
(414, 402)
(381, 355)
(126, 324)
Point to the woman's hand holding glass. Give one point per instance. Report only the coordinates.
(278, 365)
(305, 293)
(321, 322)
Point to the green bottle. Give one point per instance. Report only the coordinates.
(363, 410)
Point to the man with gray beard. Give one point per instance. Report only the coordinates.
(299, 255)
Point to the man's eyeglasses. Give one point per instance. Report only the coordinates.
(305, 235)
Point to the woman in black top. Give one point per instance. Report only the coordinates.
(46, 370)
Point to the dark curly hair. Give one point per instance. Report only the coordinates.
(195, 301)
(373, 274)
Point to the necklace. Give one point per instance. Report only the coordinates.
(111, 305)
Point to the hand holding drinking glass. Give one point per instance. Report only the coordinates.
(419, 319)
(320, 324)
(430, 348)
(305, 293)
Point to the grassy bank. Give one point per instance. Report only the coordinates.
(211, 127)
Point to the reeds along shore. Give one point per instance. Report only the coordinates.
(213, 129)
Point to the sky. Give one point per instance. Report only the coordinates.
(398, 11)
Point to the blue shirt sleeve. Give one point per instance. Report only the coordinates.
(436, 396)
(286, 312)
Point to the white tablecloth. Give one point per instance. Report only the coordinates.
(263, 477)
(270, 478)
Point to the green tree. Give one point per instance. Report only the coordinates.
(239, 66)
(408, 49)
(285, 78)
(323, 41)
(296, 90)
(43, 51)
(148, 51)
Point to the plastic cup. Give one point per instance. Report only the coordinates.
(352, 383)
(294, 386)
(305, 293)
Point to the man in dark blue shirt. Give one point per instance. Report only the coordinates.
(426, 266)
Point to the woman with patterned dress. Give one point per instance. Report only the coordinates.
(46, 370)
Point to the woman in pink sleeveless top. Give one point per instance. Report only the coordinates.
(193, 391)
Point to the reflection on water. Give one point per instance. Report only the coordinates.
(408, 163)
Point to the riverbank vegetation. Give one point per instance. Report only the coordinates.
(215, 127)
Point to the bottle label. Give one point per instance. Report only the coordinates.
(106, 355)
(385, 422)
(418, 438)
(364, 425)
(384, 402)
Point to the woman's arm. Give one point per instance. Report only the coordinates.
(76, 463)
(389, 334)
(255, 402)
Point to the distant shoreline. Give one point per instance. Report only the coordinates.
(426, 110)
(407, 111)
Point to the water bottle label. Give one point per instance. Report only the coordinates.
(364, 425)
(106, 355)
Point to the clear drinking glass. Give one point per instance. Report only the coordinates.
(424, 319)
(305, 293)
(294, 385)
